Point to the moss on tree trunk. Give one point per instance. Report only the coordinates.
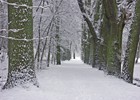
(132, 43)
(113, 35)
(20, 52)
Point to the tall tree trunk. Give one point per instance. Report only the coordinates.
(39, 36)
(49, 53)
(58, 51)
(113, 43)
(132, 43)
(91, 28)
(103, 42)
(50, 27)
(86, 44)
(73, 54)
(97, 26)
(20, 52)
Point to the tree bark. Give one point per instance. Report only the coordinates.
(49, 53)
(132, 43)
(91, 28)
(113, 35)
(20, 52)
(58, 51)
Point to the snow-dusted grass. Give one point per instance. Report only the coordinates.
(74, 80)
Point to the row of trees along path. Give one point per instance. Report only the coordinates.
(103, 49)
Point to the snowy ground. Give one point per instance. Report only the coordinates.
(74, 80)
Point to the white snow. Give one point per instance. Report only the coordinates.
(74, 80)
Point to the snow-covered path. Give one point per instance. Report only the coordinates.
(74, 80)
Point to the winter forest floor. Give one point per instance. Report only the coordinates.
(74, 80)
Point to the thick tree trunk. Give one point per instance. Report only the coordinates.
(20, 52)
(113, 43)
(103, 42)
(132, 43)
(86, 44)
(97, 26)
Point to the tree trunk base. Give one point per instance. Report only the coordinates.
(16, 78)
